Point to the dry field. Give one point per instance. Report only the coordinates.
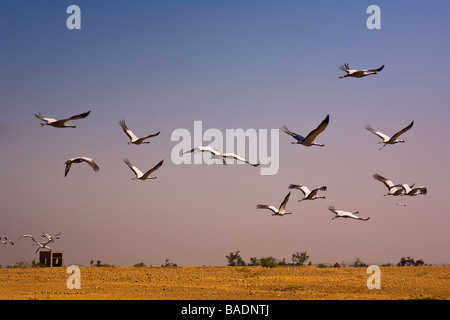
(225, 283)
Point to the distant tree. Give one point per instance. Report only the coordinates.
(234, 259)
(253, 262)
(140, 264)
(359, 263)
(419, 262)
(321, 265)
(283, 262)
(100, 264)
(299, 259)
(169, 264)
(408, 261)
(268, 262)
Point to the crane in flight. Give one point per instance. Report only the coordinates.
(394, 190)
(62, 122)
(138, 173)
(309, 139)
(133, 138)
(345, 214)
(308, 194)
(390, 140)
(89, 161)
(281, 211)
(358, 73)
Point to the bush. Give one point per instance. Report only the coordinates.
(299, 258)
(254, 262)
(234, 259)
(359, 263)
(410, 262)
(268, 262)
(169, 264)
(140, 264)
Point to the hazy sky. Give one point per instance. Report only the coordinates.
(161, 65)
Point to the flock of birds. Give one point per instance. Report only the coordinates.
(393, 189)
(41, 245)
(402, 189)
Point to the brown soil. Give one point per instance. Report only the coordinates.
(225, 283)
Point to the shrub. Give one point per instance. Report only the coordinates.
(299, 258)
(268, 262)
(140, 264)
(234, 259)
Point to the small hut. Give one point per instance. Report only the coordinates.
(51, 258)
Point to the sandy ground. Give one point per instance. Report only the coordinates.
(225, 283)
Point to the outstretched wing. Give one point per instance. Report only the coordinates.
(395, 136)
(321, 127)
(91, 162)
(377, 70)
(43, 118)
(293, 134)
(380, 134)
(153, 169)
(127, 131)
(331, 208)
(263, 206)
(151, 136)
(283, 204)
(67, 169)
(135, 170)
(388, 183)
(345, 67)
(77, 117)
(303, 189)
(314, 192)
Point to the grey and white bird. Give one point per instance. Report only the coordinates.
(345, 214)
(42, 245)
(88, 160)
(309, 139)
(224, 156)
(413, 191)
(358, 73)
(49, 237)
(133, 138)
(390, 140)
(5, 240)
(281, 211)
(138, 173)
(214, 152)
(394, 190)
(308, 194)
(62, 122)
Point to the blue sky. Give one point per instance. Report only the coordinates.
(231, 64)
